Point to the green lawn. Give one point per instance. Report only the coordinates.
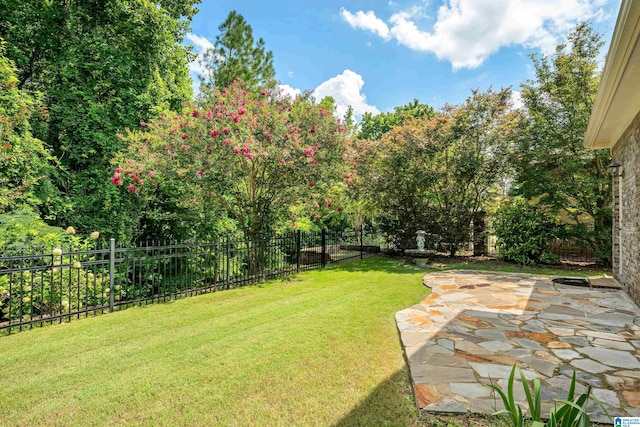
(318, 349)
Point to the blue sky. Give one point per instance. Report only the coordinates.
(378, 55)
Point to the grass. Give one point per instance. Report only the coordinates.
(320, 348)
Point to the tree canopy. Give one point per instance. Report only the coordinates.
(235, 55)
(259, 158)
(551, 164)
(110, 65)
(374, 127)
(435, 173)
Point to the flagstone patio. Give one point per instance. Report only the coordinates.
(474, 325)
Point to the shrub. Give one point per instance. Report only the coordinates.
(524, 233)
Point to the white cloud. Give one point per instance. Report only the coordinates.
(467, 32)
(346, 90)
(366, 21)
(516, 99)
(290, 73)
(289, 91)
(200, 46)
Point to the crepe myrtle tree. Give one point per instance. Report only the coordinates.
(264, 159)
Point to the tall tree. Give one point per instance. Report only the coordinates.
(263, 160)
(436, 173)
(552, 165)
(111, 64)
(235, 55)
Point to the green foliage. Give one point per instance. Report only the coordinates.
(58, 282)
(524, 233)
(24, 161)
(436, 173)
(572, 412)
(109, 66)
(235, 56)
(23, 229)
(59, 285)
(374, 127)
(551, 163)
(261, 160)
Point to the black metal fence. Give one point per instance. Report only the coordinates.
(38, 288)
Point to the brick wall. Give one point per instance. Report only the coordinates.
(626, 211)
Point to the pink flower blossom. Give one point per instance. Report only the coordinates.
(131, 188)
(311, 184)
(282, 162)
(317, 217)
(309, 152)
(241, 111)
(226, 141)
(195, 113)
(183, 136)
(151, 174)
(210, 115)
(236, 150)
(219, 115)
(143, 124)
(236, 118)
(225, 131)
(136, 179)
(293, 224)
(118, 170)
(200, 173)
(214, 133)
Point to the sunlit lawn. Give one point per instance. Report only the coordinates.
(320, 348)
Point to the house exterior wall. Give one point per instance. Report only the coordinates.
(626, 211)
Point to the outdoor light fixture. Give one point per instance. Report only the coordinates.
(615, 168)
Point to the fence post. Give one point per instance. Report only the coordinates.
(298, 251)
(112, 272)
(361, 241)
(323, 260)
(228, 261)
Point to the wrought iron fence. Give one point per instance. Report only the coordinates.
(38, 287)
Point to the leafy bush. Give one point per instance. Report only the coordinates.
(52, 281)
(524, 233)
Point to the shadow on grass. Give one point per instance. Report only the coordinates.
(375, 263)
(390, 403)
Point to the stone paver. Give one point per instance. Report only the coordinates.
(474, 326)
